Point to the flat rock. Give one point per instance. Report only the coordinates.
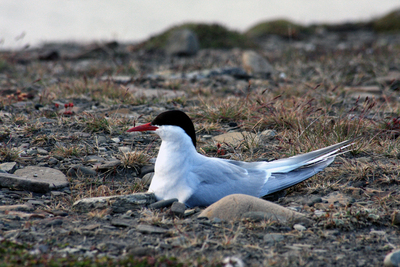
(118, 204)
(271, 239)
(8, 166)
(178, 209)
(233, 207)
(148, 229)
(254, 63)
(235, 138)
(23, 183)
(54, 178)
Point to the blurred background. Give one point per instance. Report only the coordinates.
(26, 22)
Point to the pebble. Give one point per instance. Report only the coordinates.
(256, 64)
(178, 209)
(163, 203)
(148, 229)
(271, 239)
(299, 227)
(80, 171)
(147, 178)
(392, 259)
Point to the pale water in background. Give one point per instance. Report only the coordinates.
(32, 22)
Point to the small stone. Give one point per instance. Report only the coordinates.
(55, 222)
(108, 165)
(271, 239)
(392, 259)
(116, 140)
(80, 171)
(299, 227)
(148, 229)
(43, 152)
(254, 63)
(121, 223)
(147, 178)
(118, 204)
(163, 203)
(8, 166)
(267, 135)
(52, 161)
(146, 169)
(178, 209)
(396, 217)
(125, 149)
(233, 261)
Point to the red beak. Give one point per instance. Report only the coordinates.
(143, 127)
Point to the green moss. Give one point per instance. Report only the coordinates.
(280, 27)
(388, 23)
(209, 36)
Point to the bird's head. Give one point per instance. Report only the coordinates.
(174, 118)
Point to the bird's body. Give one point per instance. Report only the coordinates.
(197, 180)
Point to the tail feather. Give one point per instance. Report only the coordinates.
(292, 163)
(291, 171)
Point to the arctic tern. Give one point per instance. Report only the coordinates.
(197, 180)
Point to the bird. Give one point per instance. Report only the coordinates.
(198, 181)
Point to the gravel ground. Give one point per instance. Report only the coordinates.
(353, 205)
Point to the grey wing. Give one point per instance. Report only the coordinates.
(220, 178)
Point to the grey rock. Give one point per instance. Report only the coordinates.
(299, 227)
(148, 229)
(19, 207)
(182, 43)
(256, 64)
(140, 251)
(41, 151)
(108, 165)
(118, 204)
(267, 135)
(80, 171)
(132, 202)
(163, 203)
(147, 178)
(8, 166)
(23, 183)
(121, 222)
(146, 169)
(271, 239)
(56, 222)
(125, 149)
(178, 209)
(392, 259)
(54, 178)
(233, 207)
(52, 161)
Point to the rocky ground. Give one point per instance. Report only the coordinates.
(65, 109)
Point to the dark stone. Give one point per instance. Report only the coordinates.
(163, 203)
(178, 209)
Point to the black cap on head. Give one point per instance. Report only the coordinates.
(177, 118)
